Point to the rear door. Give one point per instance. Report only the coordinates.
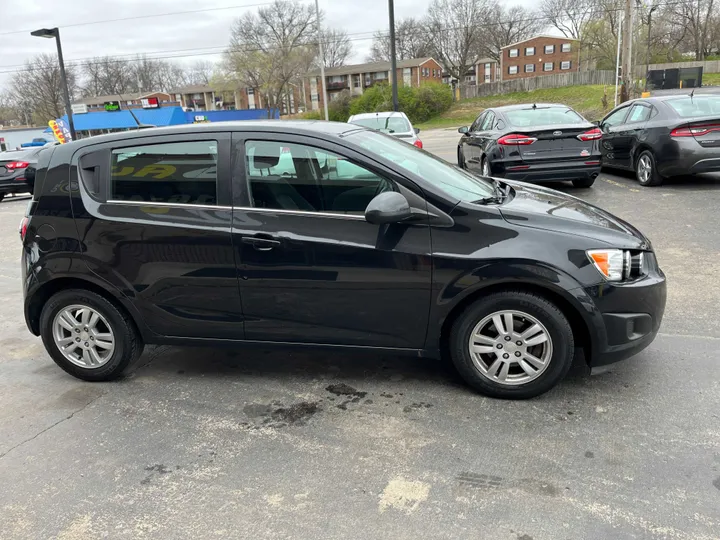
(153, 216)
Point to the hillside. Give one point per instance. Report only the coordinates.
(587, 100)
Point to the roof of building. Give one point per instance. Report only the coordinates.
(567, 39)
(372, 67)
(130, 96)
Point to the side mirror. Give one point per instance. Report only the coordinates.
(597, 123)
(417, 130)
(463, 129)
(388, 207)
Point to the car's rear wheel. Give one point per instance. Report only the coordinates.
(583, 182)
(513, 345)
(646, 170)
(88, 336)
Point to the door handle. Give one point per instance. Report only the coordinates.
(261, 243)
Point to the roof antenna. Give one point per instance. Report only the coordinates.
(534, 105)
(691, 94)
(140, 125)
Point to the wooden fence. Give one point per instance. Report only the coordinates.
(525, 84)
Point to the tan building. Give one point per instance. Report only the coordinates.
(355, 78)
(538, 56)
(202, 97)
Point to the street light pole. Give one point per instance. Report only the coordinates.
(322, 61)
(55, 33)
(393, 59)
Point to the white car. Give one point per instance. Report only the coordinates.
(396, 124)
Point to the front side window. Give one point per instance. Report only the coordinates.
(514, 53)
(548, 66)
(615, 118)
(565, 65)
(488, 122)
(529, 51)
(450, 179)
(289, 176)
(178, 172)
(549, 49)
(512, 70)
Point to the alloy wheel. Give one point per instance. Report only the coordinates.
(510, 347)
(644, 169)
(83, 336)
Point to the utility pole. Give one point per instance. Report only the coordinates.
(627, 75)
(322, 61)
(393, 59)
(647, 54)
(617, 62)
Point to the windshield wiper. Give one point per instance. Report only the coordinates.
(489, 200)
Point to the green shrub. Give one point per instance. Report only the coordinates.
(420, 104)
(339, 108)
(312, 115)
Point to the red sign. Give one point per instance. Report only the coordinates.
(150, 103)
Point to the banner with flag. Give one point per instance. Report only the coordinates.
(61, 130)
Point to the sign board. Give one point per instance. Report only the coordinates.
(111, 106)
(61, 130)
(150, 103)
(200, 119)
(78, 108)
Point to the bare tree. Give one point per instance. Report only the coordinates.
(336, 47)
(568, 16)
(201, 72)
(456, 33)
(698, 20)
(107, 76)
(37, 89)
(411, 41)
(509, 25)
(600, 33)
(268, 49)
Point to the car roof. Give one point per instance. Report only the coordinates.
(301, 127)
(530, 106)
(383, 114)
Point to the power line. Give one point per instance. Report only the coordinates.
(150, 55)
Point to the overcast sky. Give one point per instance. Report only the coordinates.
(199, 32)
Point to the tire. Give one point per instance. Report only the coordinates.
(486, 168)
(583, 182)
(650, 178)
(460, 158)
(557, 351)
(126, 343)
(2, 196)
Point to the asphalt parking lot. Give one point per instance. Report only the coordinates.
(205, 443)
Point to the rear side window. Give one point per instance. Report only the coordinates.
(639, 113)
(179, 173)
(543, 117)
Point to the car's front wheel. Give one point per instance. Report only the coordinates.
(460, 158)
(88, 336)
(486, 168)
(583, 182)
(646, 170)
(512, 344)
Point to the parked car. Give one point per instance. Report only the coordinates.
(324, 235)
(532, 143)
(664, 136)
(17, 170)
(396, 124)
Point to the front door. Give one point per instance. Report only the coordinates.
(311, 269)
(611, 143)
(153, 215)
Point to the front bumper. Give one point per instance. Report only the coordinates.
(553, 172)
(628, 316)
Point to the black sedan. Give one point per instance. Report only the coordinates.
(532, 143)
(17, 170)
(663, 136)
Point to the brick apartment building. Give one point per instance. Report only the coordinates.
(130, 100)
(358, 77)
(538, 56)
(484, 71)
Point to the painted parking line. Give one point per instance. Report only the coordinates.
(618, 184)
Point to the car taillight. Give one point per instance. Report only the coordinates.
(694, 131)
(418, 143)
(592, 135)
(516, 139)
(23, 227)
(16, 165)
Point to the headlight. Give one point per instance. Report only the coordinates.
(617, 264)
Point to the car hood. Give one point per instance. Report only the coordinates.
(542, 208)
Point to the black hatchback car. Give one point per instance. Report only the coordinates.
(324, 235)
(532, 143)
(664, 136)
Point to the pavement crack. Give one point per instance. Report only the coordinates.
(81, 409)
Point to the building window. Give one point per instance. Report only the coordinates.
(345, 188)
(549, 49)
(529, 68)
(487, 73)
(356, 81)
(529, 51)
(565, 65)
(512, 70)
(566, 47)
(514, 53)
(548, 66)
(180, 172)
(250, 91)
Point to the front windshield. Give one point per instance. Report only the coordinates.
(387, 124)
(450, 179)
